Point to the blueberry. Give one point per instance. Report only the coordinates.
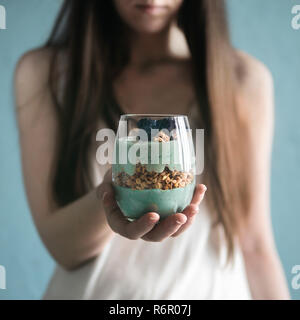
(147, 124)
(166, 123)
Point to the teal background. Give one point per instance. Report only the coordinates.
(260, 27)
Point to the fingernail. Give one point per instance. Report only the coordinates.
(179, 222)
(153, 218)
(205, 188)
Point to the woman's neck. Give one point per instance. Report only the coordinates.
(170, 44)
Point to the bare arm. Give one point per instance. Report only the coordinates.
(79, 231)
(263, 267)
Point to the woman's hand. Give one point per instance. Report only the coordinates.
(146, 227)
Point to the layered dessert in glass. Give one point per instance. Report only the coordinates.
(154, 165)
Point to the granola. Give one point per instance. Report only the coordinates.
(143, 179)
(161, 137)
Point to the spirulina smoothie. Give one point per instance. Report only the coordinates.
(134, 203)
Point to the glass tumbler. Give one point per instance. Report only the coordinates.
(154, 164)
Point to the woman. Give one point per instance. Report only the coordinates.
(105, 58)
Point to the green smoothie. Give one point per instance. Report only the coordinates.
(165, 185)
(135, 203)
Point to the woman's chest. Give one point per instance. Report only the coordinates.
(164, 89)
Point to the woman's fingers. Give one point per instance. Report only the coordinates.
(191, 210)
(166, 227)
(114, 216)
(119, 224)
(108, 176)
(179, 222)
(138, 228)
(199, 192)
(145, 227)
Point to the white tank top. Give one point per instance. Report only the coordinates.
(190, 266)
(184, 267)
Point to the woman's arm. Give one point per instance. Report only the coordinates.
(263, 267)
(79, 231)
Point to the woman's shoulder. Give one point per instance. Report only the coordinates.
(32, 74)
(33, 99)
(255, 90)
(34, 65)
(33, 70)
(256, 73)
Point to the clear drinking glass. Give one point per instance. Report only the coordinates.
(154, 164)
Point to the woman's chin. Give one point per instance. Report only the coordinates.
(149, 29)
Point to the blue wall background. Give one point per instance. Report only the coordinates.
(262, 28)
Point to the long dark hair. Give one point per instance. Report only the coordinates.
(93, 38)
